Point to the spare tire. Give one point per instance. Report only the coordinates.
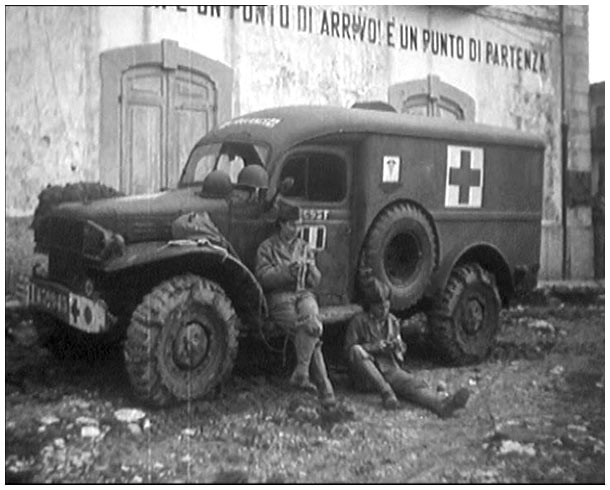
(53, 195)
(400, 250)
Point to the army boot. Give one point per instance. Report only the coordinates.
(443, 407)
(325, 387)
(389, 400)
(366, 370)
(304, 345)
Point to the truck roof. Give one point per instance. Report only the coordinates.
(284, 127)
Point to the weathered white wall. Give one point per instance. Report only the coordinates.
(52, 66)
(52, 100)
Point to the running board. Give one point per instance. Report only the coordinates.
(338, 314)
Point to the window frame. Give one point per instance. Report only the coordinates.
(308, 151)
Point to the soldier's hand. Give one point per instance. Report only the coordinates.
(397, 344)
(380, 346)
(294, 269)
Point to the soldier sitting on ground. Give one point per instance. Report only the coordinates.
(287, 271)
(374, 347)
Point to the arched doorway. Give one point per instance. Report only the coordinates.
(431, 97)
(157, 101)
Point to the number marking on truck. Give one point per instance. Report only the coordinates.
(314, 214)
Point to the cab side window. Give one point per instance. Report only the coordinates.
(317, 177)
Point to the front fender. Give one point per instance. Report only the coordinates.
(486, 255)
(202, 257)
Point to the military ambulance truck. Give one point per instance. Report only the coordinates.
(447, 213)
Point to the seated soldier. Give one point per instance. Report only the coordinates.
(287, 271)
(373, 345)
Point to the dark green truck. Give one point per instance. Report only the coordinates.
(447, 213)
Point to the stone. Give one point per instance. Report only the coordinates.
(577, 428)
(557, 370)
(90, 431)
(49, 420)
(542, 326)
(134, 429)
(129, 414)
(509, 446)
(189, 432)
(86, 421)
(83, 404)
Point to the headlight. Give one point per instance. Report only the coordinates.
(100, 243)
(115, 247)
(94, 240)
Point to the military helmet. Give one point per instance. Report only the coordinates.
(253, 176)
(217, 183)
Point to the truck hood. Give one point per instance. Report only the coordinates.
(145, 217)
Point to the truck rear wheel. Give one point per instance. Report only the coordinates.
(182, 340)
(401, 251)
(465, 320)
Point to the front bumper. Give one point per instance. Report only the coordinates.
(85, 314)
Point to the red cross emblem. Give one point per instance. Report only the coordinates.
(464, 186)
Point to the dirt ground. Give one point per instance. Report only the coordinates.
(536, 415)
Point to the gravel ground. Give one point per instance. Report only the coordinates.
(536, 415)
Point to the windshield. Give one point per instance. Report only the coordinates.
(229, 157)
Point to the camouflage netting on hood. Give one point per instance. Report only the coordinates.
(53, 195)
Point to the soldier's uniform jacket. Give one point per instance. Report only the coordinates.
(366, 331)
(273, 259)
(290, 307)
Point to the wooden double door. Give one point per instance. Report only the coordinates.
(167, 98)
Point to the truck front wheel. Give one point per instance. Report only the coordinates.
(465, 319)
(182, 340)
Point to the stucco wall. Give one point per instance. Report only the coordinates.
(290, 55)
(52, 100)
(306, 61)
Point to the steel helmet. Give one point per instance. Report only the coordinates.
(253, 176)
(217, 183)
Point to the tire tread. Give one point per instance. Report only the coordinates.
(145, 327)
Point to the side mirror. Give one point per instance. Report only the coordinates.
(286, 185)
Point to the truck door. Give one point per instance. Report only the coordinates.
(322, 177)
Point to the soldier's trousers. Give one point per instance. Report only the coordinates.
(298, 315)
(295, 311)
(382, 375)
